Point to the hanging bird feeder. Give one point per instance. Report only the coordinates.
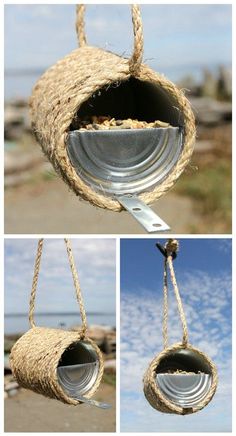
(117, 132)
(64, 365)
(181, 379)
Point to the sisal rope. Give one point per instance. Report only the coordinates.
(75, 279)
(171, 247)
(136, 58)
(165, 307)
(79, 25)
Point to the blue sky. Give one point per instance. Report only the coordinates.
(203, 270)
(179, 39)
(95, 261)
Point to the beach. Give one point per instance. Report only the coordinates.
(30, 412)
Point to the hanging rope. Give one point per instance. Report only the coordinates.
(171, 248)
(137, 55)
(75, 279)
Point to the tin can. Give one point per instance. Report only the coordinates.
(184, 378)
(181, 380)
(78, 369)
(125, 161)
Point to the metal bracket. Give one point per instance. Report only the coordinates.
(92, 402)
(143, 214)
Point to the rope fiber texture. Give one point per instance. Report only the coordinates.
(171, 247)
(151, 389)
(36, 355)
(63, 88)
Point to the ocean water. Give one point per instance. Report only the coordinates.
(21, 85)
(19, 323)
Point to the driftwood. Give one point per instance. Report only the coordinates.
(211, 112)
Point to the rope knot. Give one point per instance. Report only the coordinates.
(171, 246)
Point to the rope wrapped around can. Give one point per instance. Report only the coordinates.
(35, 356)
(151, 388)
(61, 91)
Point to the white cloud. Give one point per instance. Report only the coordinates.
(95, 262)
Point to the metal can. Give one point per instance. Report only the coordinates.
(78, 369)
(184, 378)
(125, 161)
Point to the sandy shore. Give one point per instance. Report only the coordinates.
(30, 412)
(49, 207)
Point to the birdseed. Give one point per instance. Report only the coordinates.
(108, 123)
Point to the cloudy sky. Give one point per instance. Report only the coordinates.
(179, 39)
(203, 270)
(95, 261)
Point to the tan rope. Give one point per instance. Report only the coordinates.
(35, 282)
(136, 58)
(77, 285)
(75, 279)
(171, 247)
(165, 307)
(79, 25)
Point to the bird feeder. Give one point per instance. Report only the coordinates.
(114, 168)
(181, 379)
(64, 365)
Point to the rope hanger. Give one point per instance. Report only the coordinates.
(137, 56)
(169, 252)
(75, 280)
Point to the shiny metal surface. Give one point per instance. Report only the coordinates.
(77, 379)
(185, 390)
(129, 161)
(78, 369)
(91, 402)
(143, 214)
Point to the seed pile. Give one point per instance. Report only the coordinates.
(107, 123)
(180, 371)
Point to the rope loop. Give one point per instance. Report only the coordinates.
(75, 279)
(137, 55)
(172, 247)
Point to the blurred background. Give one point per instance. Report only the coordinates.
(190, 44)
(56, 306)
(204, 275)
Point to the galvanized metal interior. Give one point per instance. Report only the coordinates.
(129, 161)
(191, 384)
(78, 369)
